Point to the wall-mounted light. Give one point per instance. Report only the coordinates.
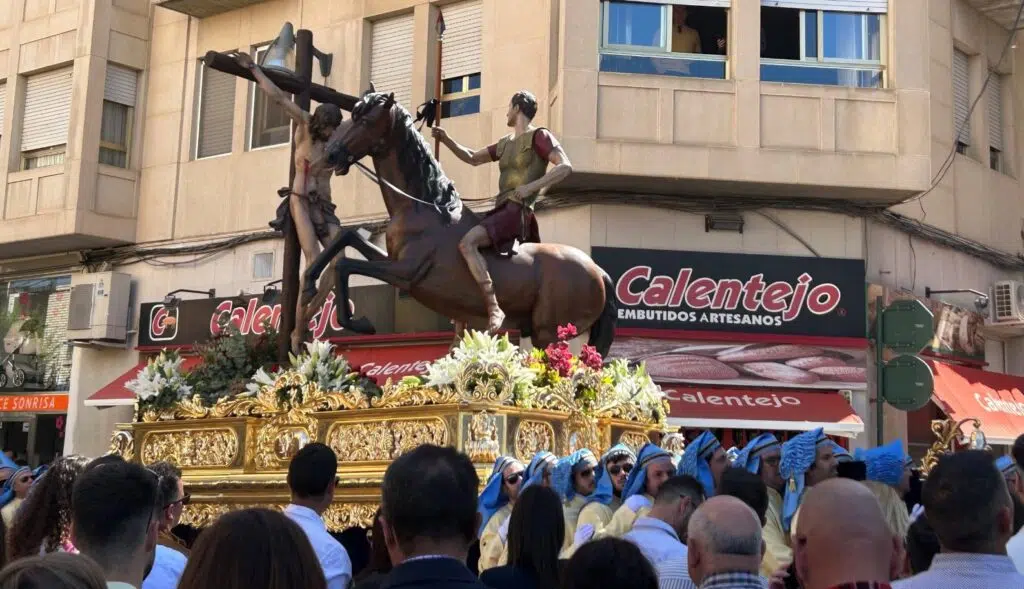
(270, 293)
(170, 300)
(723, 222)
(980, 301)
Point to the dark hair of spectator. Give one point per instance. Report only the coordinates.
(1018, 513)
(748, 488)
(112, 506)
(680, 486)
(380, 560)
(1018, 450)
(963, 495)
(430, 492)
(253, 549)
(169, 475)
(59, 570)
(44, 519)
(536, 532)
(609, 562)
(106, 459)
(922, 545)
(312, 471)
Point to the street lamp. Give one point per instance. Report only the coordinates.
(171, 301)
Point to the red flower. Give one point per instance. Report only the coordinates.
(591, 357)
(567, 332)
(559, 358)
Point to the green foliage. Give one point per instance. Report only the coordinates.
(229, 361)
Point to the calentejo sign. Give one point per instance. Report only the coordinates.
(197, 320)
(701, 291)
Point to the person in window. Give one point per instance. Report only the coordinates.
(685, 39)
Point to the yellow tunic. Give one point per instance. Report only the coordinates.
(623, 519)
(491, 544)
(9, 510)
(571, 509)
(596, 515)
(778, 551)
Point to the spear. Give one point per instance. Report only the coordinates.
(437, 85)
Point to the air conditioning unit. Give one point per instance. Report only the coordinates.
(99, 308)
(1006, 305)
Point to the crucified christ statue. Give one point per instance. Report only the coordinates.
(307, 201)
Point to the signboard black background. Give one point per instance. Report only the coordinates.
(846, 320)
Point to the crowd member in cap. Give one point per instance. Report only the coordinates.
(724, 547)
(538, 472)
(1012, 474)
(888, 477)
(967, 503)
(762, 456)
(653, 467)
(612, 472)
(840, 453)
(661, 534)
(705, 461)
(807, 459)
(573, 479)
(495, 504)
(15, 489)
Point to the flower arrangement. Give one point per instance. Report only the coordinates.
(555, 364)
(161, 384)
(318, 364)
(481, 359)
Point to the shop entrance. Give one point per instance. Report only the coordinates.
(33, 439)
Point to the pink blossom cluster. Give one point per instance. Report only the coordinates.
(559, 358)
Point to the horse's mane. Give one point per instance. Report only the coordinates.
(418, 165)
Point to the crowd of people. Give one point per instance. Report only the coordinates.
(801, 513)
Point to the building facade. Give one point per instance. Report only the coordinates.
(797, 122)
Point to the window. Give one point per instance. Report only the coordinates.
(460, 59)
(961, 101)
(679, 39)
(262, 265)
(391, 57)
(269, 124)
(44, 131)
(825, 47)
(995, 121)
(216, 112)
(118, 105)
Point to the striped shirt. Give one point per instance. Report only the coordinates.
(959, 570)
(660, 544)
(734, 580)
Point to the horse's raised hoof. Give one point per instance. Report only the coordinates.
(361, 325)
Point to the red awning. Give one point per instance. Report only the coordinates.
(395, 362)
(761, 409)
(115, 393)
(991, 397)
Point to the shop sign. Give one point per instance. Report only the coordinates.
(766, 405)
(758, 294)
(198, 320)
(957, 330)
(394, 362)
(33, 403)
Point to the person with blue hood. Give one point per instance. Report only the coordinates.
(761, 456)
(15, 488)
(496, 500)
(840, 453)
(1012, 474)
(704, 460)
(538, 472)
(653, 467)
(611, 475)
(574, 480)
(888, 477)
(807, 459)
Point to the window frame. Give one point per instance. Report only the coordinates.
(55, 150)
(126, 149)
(197, 130)
(464, 93)
(251, 114)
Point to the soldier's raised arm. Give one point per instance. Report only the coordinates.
(276, 94)
(466, 154)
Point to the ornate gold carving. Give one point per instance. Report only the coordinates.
(404, 395)
(579, 432)
(122, 443)
(338, 517)
(384, 440)
(634, 440)
(532, 437)
(949, 436)
(673, 442)
(195, 448)
(482, 442)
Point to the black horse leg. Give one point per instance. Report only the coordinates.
(346, 238)
(401, 275)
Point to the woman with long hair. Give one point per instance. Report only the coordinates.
(43, 524)
(536, 531)
(379, 566)
(609, 562)
(53, 571)
(253, 549)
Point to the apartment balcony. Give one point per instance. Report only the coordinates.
(1003, 12)
(205, 8)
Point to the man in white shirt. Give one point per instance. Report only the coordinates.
(661, 534)
(168, 563)
(312, 477)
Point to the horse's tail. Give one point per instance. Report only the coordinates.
(602, 332)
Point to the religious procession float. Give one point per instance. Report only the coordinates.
(488, 397)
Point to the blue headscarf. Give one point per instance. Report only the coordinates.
(1006, 466)
(798, 456)
(749, 457)
(562, 477)
(541, 463)
(885, 464)
(7, 492)
(493, 498)
(908, 462)
(695, 461)
(841, 454)
(605, 491)
(637, 481)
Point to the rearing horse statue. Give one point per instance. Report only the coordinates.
(541, 287)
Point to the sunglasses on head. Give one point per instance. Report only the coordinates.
(617, 468)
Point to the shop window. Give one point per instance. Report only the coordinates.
(664, 39)
(460, 96)
(822, 47)
(33, 326)
(269, 124)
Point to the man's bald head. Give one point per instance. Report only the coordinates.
(842, 537)
(724, 534)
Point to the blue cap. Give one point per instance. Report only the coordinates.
(542, 462)
(562, 477)
(1007, 466)
(637, 481)
(885, 464)
(798, 456)
(749, 457)
(605, 491)
(492, 498)
(696, 459)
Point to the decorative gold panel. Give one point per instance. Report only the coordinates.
(385, 440)
(338, 517)
(195, 448)
(579, 433)
(122, 443)
(532, 437)
(634, 440)
(482, 440)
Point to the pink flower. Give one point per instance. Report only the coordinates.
(591, 357)
(567, 332)
(559, 358)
